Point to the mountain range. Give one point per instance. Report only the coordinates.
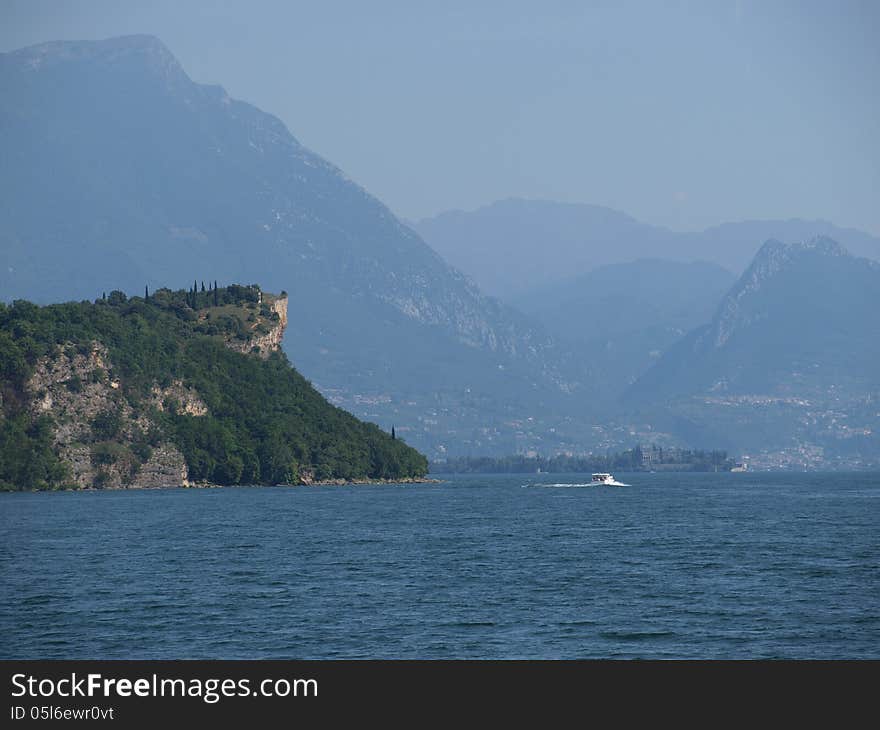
(119, 171)
(117, 167)
(574, 239)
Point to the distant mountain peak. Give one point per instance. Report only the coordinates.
(773, 257)
(142, 54)
(51, 52)
(773, 249)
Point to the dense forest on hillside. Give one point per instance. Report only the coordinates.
(265, 424)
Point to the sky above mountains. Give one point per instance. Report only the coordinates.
(681, 114)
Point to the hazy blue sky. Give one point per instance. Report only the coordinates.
(680, 113)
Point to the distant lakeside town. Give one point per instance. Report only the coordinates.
(640, 458)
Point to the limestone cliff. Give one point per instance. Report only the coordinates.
(104, 441)
(178, 398)
(264, 331)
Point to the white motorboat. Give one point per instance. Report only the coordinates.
(606, 479)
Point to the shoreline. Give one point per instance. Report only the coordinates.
(207, 485)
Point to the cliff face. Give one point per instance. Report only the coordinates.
(265, 334)
(98, 434)
(178, 398)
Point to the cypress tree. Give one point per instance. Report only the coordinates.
(146, 293)
(393, 435)
(203, 287)
(216, 302)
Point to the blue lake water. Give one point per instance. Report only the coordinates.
(676, 565)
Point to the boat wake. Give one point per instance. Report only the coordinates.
(570, 485)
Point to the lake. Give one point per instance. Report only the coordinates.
(675, 566)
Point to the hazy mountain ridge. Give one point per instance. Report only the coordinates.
(622, 317)
(540, 242)
(121, 169)
(576, 238)
(421, 286)
(620, 298)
